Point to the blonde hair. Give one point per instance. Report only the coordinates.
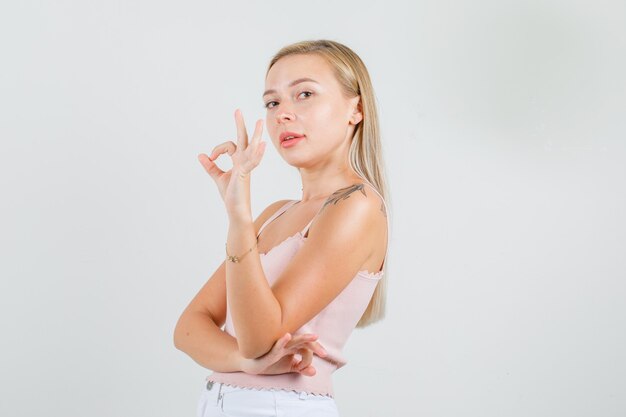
(365, 154)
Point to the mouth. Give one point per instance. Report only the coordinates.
(286, 136)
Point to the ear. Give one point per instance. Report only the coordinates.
(357, 112)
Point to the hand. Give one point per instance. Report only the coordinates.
(234, 185)
(281, 358)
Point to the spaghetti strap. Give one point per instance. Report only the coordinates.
(276, 214)
(306, 228)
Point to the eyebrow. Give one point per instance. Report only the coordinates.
(291, 84)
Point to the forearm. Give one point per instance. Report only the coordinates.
(255, 312)
(198, 336)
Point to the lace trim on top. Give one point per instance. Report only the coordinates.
(260, 388)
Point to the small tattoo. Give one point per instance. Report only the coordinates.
(343, 193)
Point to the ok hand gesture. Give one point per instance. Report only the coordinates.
(234, 185)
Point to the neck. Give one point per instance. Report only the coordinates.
(320, 180)
(320, 184)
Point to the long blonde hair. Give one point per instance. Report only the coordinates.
(365, 154)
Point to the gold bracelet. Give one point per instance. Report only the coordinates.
(235, 259)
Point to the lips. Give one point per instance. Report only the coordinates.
(286, 135)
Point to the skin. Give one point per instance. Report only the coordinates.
(322, 268)
(326, 117)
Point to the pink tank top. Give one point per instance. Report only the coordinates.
(333, 324)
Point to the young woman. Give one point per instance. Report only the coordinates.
(297, 280)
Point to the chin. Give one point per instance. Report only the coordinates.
(295, 162)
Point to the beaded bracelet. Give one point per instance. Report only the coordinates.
(234, 258)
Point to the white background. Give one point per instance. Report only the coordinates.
(505, 141)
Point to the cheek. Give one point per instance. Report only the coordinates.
(326, 111)
(330, 122)
(271, 130)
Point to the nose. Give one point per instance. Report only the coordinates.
(285, 115)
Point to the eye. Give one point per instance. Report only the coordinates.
(267, 105)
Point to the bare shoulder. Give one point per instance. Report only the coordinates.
(345, 235)
(355, 216)
(358, 204)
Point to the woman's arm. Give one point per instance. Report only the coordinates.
(198, 331)
(318, 272)
(199, 337)
(254, 309)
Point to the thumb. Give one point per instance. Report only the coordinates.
(286, 338)
(209, 166)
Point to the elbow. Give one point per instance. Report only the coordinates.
(177, 337)
(249, 354)
(253, 351)
(260, 342)
(176, 340)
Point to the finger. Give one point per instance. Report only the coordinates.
(309, 371)
(242, 134)
(226, 147)
(284, 340)
(307, 358)
(314, 347)
(209, 166)
(257, 152)
(319, 349)
(258, 131)
(279, 345)
(299, 339)
(258, 145)
(262, 146)
(307, 341)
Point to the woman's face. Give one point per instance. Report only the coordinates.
(314, 108)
